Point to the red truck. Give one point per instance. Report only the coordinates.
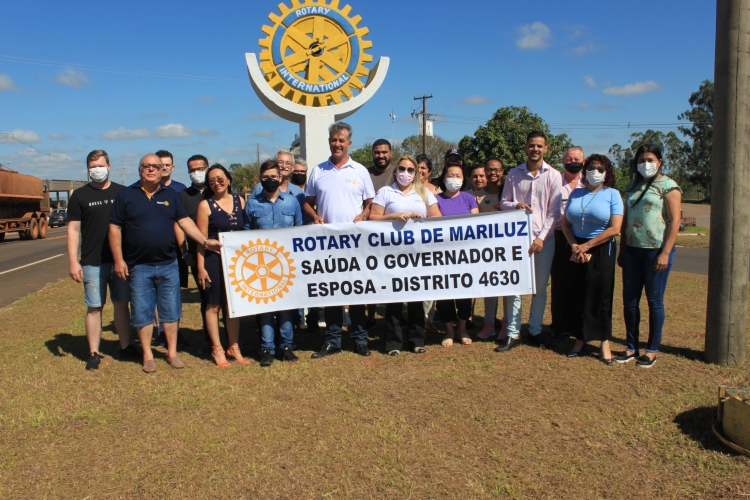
(24, 205)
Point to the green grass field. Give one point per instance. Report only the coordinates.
(462, 422)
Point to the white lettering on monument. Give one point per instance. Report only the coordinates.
(306, 11)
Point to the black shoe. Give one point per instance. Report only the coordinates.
(266, 358)
(645, 362)
(288, 355)
(508, 343)
(625, 357)
(536, 340)
(608, 361)
(362, 349)
(130, 352)
(574, 354)
(419, 350)
(93, 362)
(326, 350)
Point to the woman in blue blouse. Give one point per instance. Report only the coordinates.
(592, 220)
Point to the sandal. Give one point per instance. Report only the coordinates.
(465, 339)
(175, 363)
(447, 342)
(215, 351)
(234, 352)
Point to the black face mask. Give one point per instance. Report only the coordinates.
(270, 185)
(574, 167)
(299, 179)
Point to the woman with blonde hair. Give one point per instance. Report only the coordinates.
(405, 198)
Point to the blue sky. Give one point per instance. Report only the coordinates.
(134, 77)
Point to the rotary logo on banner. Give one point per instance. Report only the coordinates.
(470, 256)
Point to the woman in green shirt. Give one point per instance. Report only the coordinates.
(652, 221)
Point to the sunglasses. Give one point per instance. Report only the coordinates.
(600, 169)
(410, 170)
(151, 166)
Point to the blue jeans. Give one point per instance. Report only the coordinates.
(268, 329)
(637, 273)
(95, 281)
(512, 303)
(335, 321)
(154, 287)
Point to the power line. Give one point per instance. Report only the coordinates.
(415, 113)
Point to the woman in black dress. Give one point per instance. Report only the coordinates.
(220, 212)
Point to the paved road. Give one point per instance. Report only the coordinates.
(16, 283)
(15, 253)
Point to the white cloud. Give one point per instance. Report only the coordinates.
(6, 84)
(172, 130)
(264, 133)
(581, 105)
(633, 88)
(59, 137)
(603, 106)
(123, 134)
(534, 36)
(24, 136)
(475, 100)
(590, 81)
(72, 78)
(583, 49)
(206, 132)
(262, 116)
(44, 165)
(205, 98)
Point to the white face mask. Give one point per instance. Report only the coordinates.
(594, 177)
(452, 184)
(198, 177)
(99, 174)
(647, 169)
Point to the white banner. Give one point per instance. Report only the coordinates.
(469, 256)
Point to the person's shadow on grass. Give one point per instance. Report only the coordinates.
(78, 346)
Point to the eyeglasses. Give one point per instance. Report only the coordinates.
(402, 168)
(493, 170)
(599, 168)
(217, 180)
(199, 169)
(270, 178)
(151, 166)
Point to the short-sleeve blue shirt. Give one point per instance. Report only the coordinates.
(599, 206)
(295, 191)
(262, 214)
(147, 224)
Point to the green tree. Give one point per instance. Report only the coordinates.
(504, 136)
(244, 176)
(672, 148)
(698, 153)
(436, 148)
(363, 155)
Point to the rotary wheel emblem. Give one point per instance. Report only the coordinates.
(261, 270)
(314, 53)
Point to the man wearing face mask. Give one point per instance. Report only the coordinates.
(285, 161)
(299, 173)
(562, 268)
(88, 216)
(191, 198)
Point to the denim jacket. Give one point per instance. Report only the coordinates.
(262, 214)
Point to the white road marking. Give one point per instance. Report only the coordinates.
(32, 264)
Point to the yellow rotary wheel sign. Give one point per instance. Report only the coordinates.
(314, 53)
(261, 270)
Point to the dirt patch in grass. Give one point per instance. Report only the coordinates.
(462, 422)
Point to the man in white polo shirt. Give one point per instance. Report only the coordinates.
(342, 190)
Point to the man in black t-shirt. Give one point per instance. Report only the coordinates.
(88, 215)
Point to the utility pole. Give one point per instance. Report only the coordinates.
(729, 252)
(424, 119)
(123, 170)
(393, 129)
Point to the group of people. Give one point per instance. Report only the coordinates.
(141, 239)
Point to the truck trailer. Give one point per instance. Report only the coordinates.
(24, 205)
